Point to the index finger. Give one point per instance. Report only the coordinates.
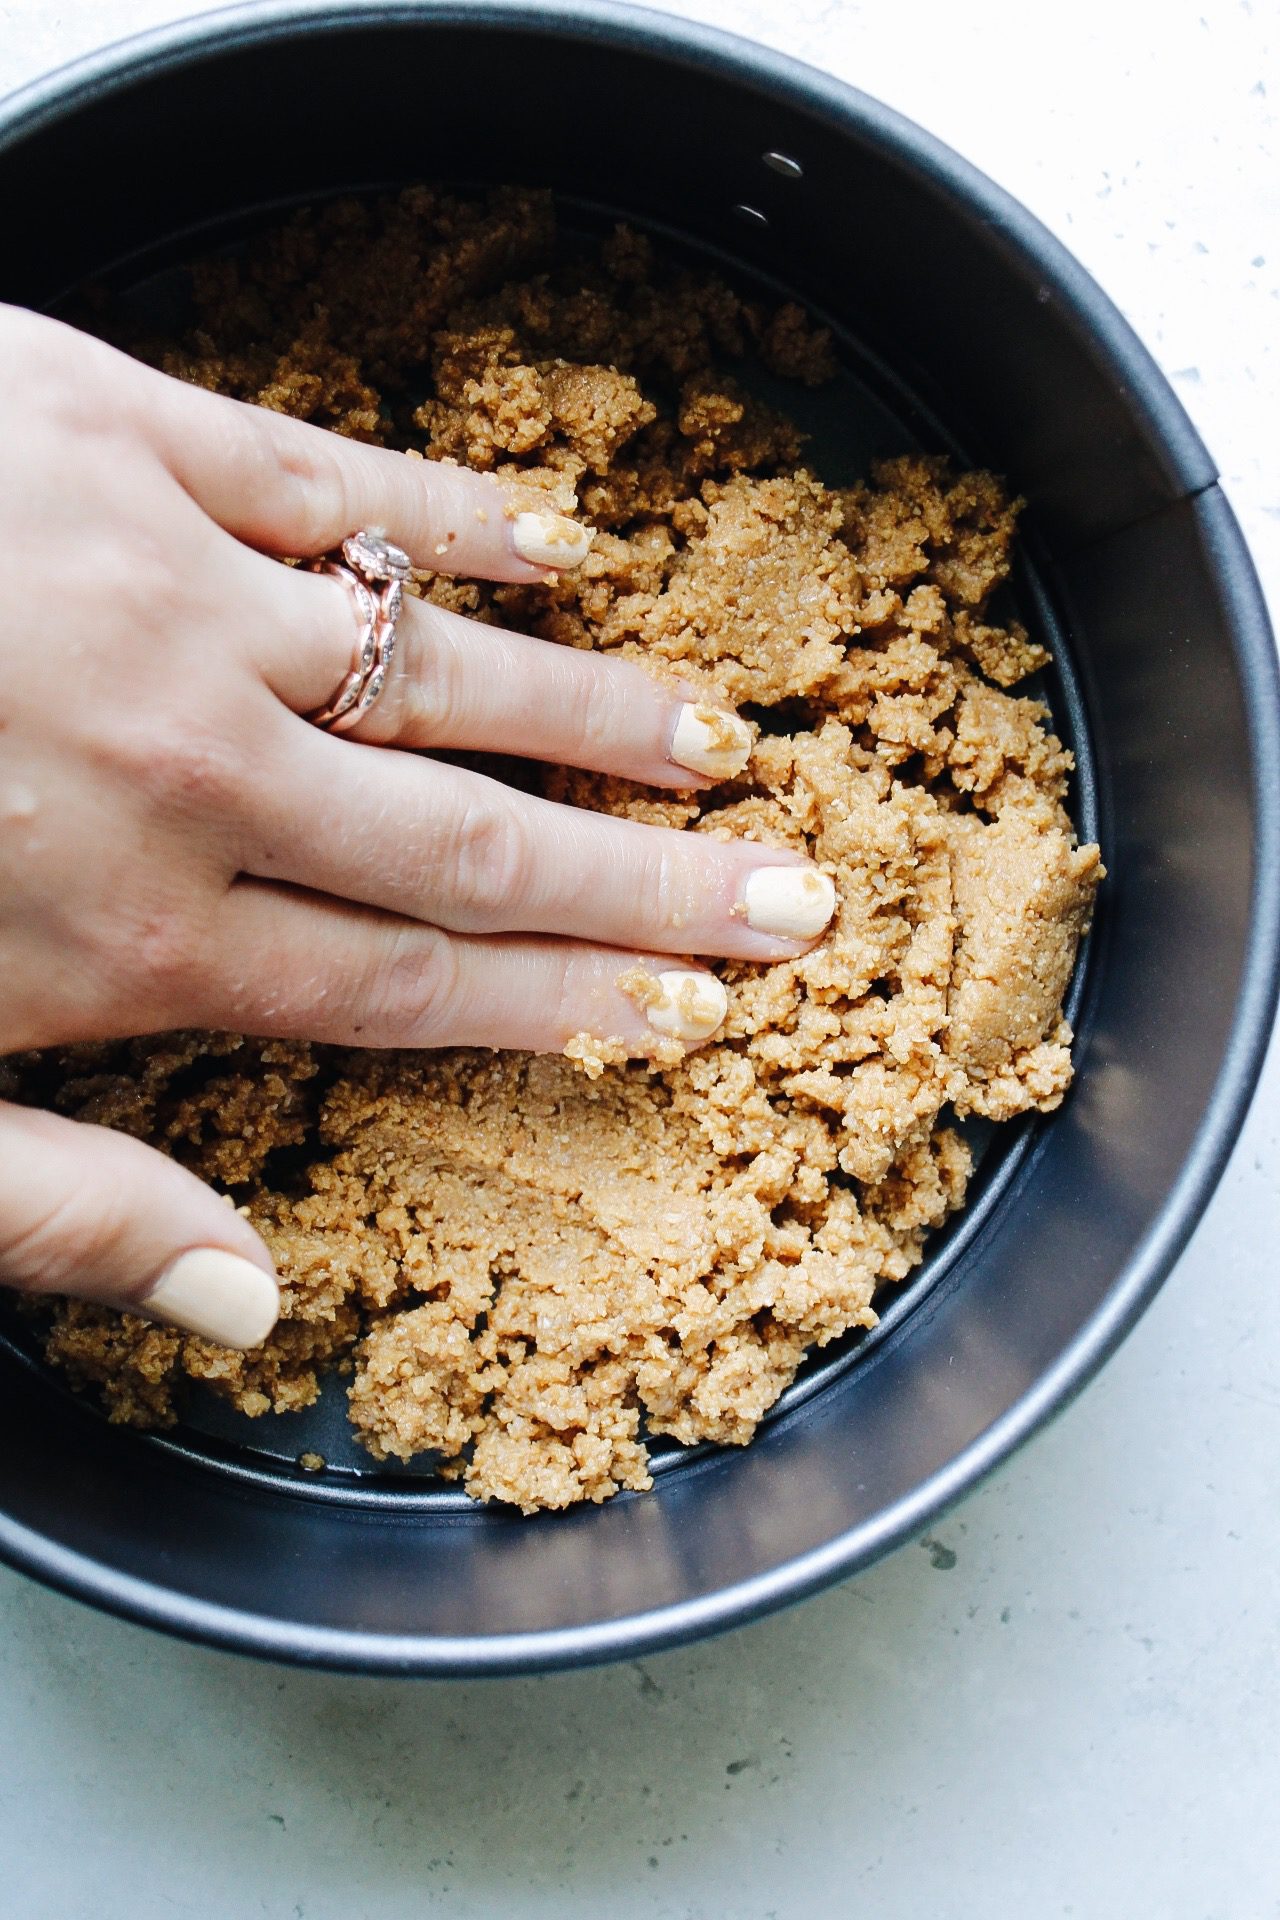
(286, 487)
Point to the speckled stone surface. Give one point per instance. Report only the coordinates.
(1065, 1701)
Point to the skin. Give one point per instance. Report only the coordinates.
(180, 847)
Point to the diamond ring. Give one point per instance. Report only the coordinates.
(374, 572)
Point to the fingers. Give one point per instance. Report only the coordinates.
(353, 976)
(462, 684)
(93, 1213)
(470, 855)
(290, 488)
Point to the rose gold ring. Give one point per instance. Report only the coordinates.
(374, 572)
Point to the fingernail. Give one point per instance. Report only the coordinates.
(795, 903)
(689, 1005)
(217, 1295)
(709, 741)
(550, 540)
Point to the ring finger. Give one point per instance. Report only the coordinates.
(462, 684)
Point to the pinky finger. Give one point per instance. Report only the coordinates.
(354, 976)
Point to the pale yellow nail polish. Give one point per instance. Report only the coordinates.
(690, 1005)
(792, 903)
(217, 1295)
(550, 540)
(707, 740)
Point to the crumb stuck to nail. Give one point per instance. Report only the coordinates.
(640, 986)
(710, 741)
(724, 730)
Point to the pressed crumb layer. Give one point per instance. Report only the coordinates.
(526, 1264)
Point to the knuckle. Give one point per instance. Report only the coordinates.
(44, 1253)
(483, 861)
(414, 990)
(182, 769)
(598, 717)
(658, 897)
(310, 478)
(165, 954)
(134, 563)
(146, 590)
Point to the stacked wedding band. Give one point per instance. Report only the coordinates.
(374, 572)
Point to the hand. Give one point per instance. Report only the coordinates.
(179, 847)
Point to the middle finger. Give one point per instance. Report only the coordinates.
(451, 847)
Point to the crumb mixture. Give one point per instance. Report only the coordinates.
(526, 1265)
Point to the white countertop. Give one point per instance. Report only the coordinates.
(1067, 1702)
